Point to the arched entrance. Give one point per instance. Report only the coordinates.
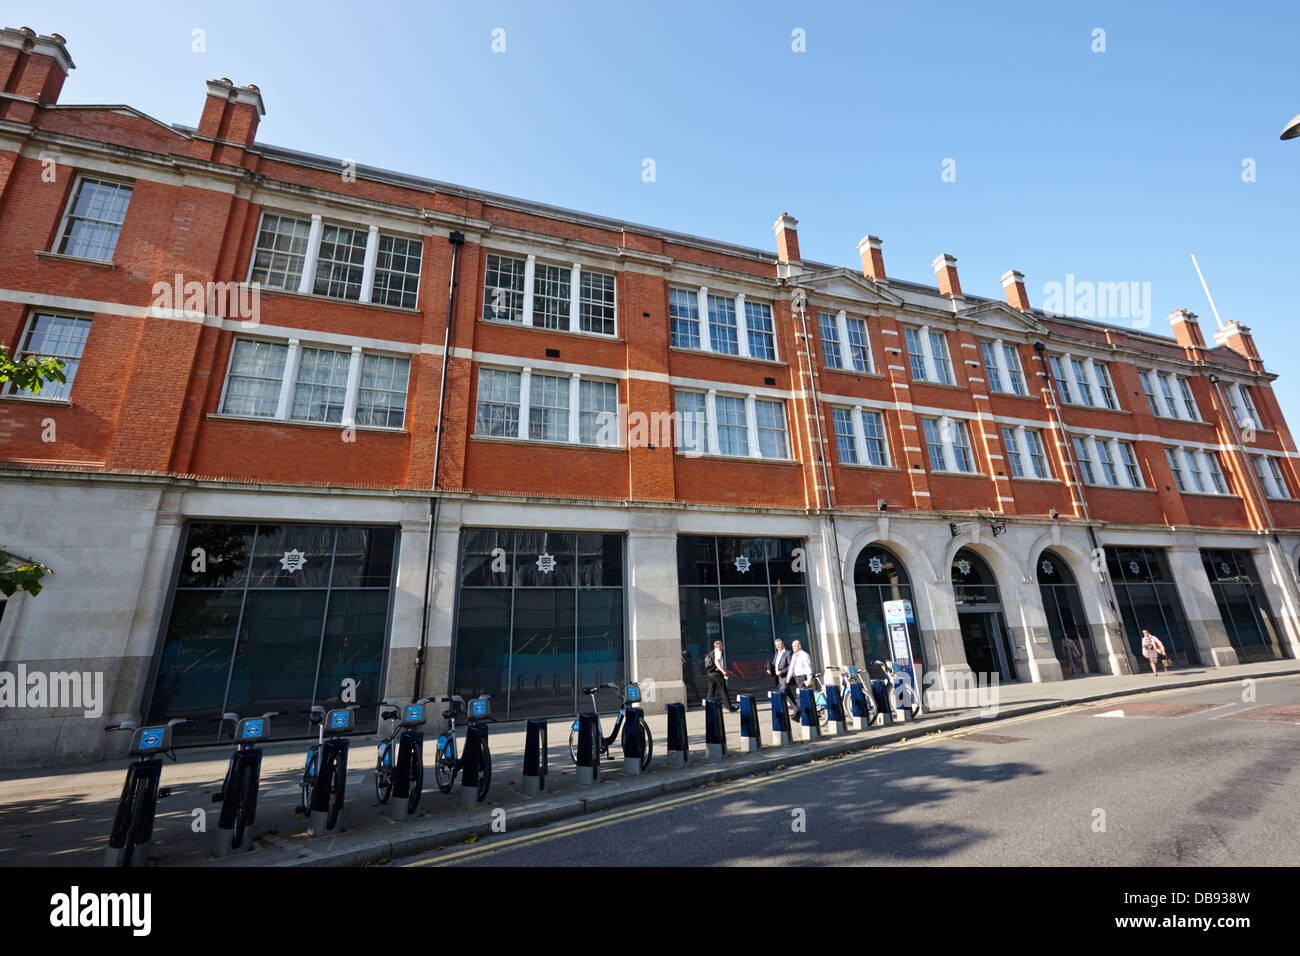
(1066, 622)
(979, 612)
(878, 576)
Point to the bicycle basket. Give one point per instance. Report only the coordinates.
(479, 709)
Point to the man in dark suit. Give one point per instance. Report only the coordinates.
(780, 671)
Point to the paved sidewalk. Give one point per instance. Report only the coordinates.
(63, 817)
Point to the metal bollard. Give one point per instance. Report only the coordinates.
(679, 754)
(469, 774)
(588, 750)
(884, 709)
(858, 709)
(780, 719)
(808, 714)
(715, 732)
(750, 738)
(633, 741)
(835, 710)
(534, 758)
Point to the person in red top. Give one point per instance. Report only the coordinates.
(1154, 651)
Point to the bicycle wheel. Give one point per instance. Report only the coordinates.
(247, 796)
(444, 770)
(873, 711)
(337, 783)
(649, 744)
(308, 780)
(384, 773)
(142, 811)
(484, 769)
(417, 780)
(573, 746)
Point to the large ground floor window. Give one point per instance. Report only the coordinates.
(1066, 622)
(1148, 598)
(746, 592)
(275, 617)
(878, 576)
(539, 616)
(1242, 605)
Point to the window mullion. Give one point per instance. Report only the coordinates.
(575, 280)
(706, 334)
(350, 395)
(525, 399)
(751, 426)
(845, 350)
(742, 326)
(711, 417)
(371, 260)
(530, 276)
(859, 433)
(575, 387)
(927, 355)
(285, 404)
(307, 282)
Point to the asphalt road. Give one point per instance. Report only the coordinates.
(1195, 777)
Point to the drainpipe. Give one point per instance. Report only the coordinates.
(1058, 422)
(826, 478)
(457, 240)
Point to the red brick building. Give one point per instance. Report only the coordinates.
(642, 441)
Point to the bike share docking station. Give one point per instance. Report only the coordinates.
(679, 748)
(404, 802)
(331, 772)
(750, 740)
(781, 732)
(475, 732)
(534, 778)
(715, 731)
(238, 795)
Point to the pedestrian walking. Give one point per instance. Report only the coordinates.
(801, 670)
(780, 671)
(1073, 656)
(718, 674)
(1153, 650)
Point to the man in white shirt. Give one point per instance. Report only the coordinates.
(801, 669)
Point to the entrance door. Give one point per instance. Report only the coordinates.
(984, 638)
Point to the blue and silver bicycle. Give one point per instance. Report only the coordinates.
(447, 762)
(629, 696)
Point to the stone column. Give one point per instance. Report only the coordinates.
(1208, 632)
(654, 619)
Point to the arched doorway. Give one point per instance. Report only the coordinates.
(1066, 622)
(878, 576)
(984, 634)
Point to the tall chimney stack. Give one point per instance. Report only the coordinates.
(32, 71)
(945, 269)
(873, 260)
(1013, 284)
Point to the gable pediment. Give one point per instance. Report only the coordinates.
(995, 316)
(846, 284)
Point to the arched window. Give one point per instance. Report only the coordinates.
(878, 576)
(989, 645)
(1066, 622)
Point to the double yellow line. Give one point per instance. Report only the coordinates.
(713, 793)
(747, 783)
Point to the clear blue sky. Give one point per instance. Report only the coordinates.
(1111, 166)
